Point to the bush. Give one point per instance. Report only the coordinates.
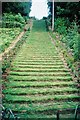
(26, 18)
(72, 40)
(9, 20)
(76, 47)
(60, 25)
(19, 18)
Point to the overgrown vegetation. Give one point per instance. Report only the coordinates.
(10, 20)
(8, 35)
(67, 26)
(7, 58)
(15, 15)
(70, 36)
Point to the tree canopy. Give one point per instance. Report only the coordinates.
(16, 7)
(70, 10)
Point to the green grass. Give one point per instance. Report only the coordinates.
(39, 83)
(38, 78)
(33, 91)
(37, 58)
(39, 66)
(37, 98)
(41, 107)
(38, 63)
(40, 74)
(53, 60)
(40, 69)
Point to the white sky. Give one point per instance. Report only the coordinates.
(39, 9)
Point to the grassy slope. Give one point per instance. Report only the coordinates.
(39, 84)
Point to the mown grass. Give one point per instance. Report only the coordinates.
(37, 98)
(42, 60)
(38, 78)
(39, 69)
(38, 63)
(39, 74)
(39, 83)
(39, 66)
(35, 107)
(33, 91)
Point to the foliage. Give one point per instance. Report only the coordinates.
(17, 7)
(66, 10)
(11, 20)
(19, 18)
(69, 29)
(72, 40)
(67, 53)
(76, 47)
(7, 35)
(60, 25)
(7, 58)
(15, 14)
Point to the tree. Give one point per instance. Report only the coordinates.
(65, 9)
(50, 12)
(16, 7)
(68, 10)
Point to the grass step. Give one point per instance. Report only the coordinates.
(32, 91)
(28, 116)
(39, 69)
(38, 78)
(51, 61)
(24, 58)
(34, 98)
(42, 54)
(38, 66)
(45, 64)
(38, 59)
(41, 57)
(39, 74)
(29, 107)
(37, 53)
(37, 84)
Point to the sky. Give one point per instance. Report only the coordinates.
(39, 9)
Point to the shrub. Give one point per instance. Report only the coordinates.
(76, 47)
(19, 18)
(10, 20)
(72, 40)
(60, 25)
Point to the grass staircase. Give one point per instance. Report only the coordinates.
(39, 83)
